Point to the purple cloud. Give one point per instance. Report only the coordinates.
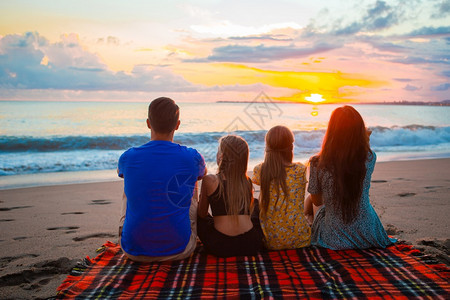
(262, 53)
(442, 9)
(411, 88)
(441, 87)
(431, 31)
(403, 79)
(272, 37)
(377, 17)
(421, 60)
(29, 61)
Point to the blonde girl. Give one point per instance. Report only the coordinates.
(230, 230)
(282, 193)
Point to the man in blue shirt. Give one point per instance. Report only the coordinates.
(160, 194)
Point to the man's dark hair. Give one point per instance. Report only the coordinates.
(163, 115)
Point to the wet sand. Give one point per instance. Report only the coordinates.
(46, 230)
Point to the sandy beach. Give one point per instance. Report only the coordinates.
(46, 230)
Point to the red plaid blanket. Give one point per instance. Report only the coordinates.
(397, 272)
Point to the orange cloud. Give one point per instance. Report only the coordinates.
(333, 86)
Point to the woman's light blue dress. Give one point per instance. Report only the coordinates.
(329, 230)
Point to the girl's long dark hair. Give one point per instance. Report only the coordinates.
(344, 153)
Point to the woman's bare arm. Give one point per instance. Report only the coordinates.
(203, 203)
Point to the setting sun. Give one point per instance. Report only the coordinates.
(315, 98)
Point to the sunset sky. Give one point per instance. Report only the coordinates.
(340, 51)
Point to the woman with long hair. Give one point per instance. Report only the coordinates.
(339, 185)
(282, 195)
(230, 230)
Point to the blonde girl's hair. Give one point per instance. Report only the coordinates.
(238, 192)
(279, 146)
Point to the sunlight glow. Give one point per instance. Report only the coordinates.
(333, 86)
(315, 98)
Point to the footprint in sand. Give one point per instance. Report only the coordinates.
(73, 213)
(400, 178)
(392, 230)
(438, 249)
(95, 235)
(6, 220)
(406, 194)
(19, 238)
(63, 228)
(44, 281)
(379, 181)
(38, 274)
(14, 207)
(438, 244)
(7, 259)
(100, 202)
(433, 187)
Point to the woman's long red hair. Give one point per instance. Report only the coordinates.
(344, 153)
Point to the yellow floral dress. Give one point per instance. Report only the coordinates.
(285, 226)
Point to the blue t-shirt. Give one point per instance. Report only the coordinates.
(159, 179)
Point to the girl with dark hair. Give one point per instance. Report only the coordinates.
(282, 194)
(230, 230)
(339, 183)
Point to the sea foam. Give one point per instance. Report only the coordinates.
(27, 155)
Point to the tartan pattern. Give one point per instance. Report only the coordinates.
(397, 272)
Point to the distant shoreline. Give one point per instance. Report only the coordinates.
(399, 103)
(442, 103)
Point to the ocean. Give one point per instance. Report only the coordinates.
(44, 143)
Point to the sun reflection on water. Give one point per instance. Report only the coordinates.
(315, 111)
